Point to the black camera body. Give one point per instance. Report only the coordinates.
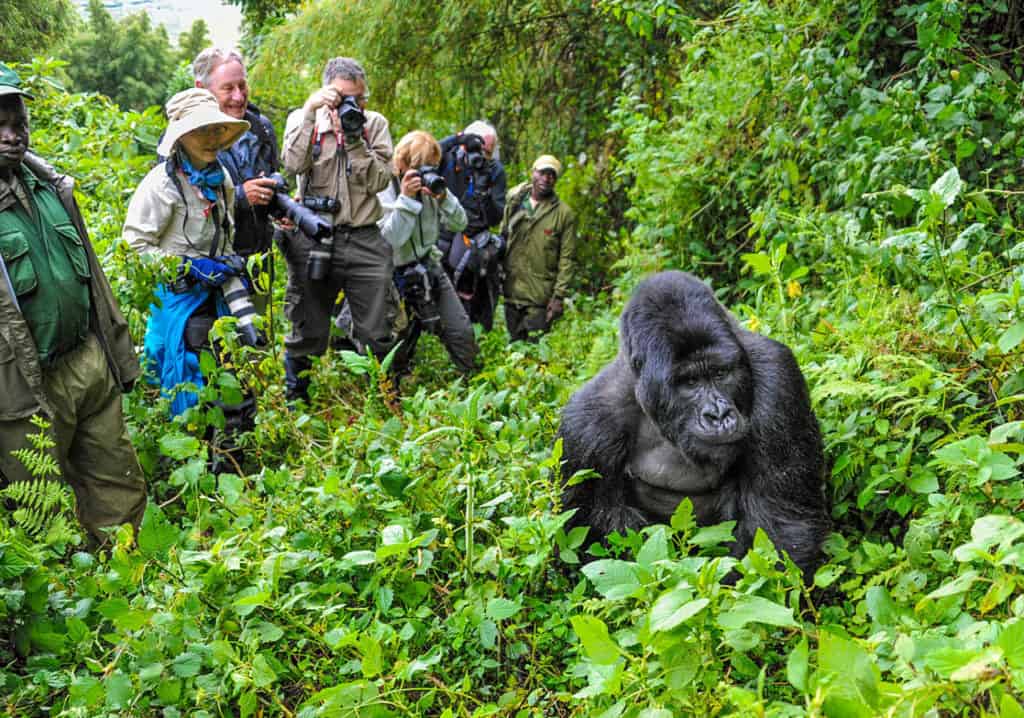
(474, 147)
(416, 285)
(328, 205)
(432, 178)
(309, 222)
(351, 115)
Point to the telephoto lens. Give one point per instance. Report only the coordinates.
(236, 296)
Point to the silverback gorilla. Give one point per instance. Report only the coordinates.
(696, 406)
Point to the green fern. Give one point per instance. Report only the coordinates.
(43, 504)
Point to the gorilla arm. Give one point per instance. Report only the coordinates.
(597, 432)
(782, 470)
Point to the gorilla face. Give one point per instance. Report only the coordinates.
(692, 377)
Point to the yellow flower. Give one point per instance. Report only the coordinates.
(753, 324)
(793, 289)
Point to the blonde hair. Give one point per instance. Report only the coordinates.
(415, 149)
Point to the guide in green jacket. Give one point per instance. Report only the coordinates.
(65, 351)
(540, 235)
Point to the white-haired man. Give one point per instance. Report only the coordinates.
(475, 175)
(253, 158)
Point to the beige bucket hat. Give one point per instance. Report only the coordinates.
(194, 108)
(548, 162)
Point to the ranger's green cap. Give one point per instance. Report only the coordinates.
(10, 83)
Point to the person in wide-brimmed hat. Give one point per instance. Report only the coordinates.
(184, 208)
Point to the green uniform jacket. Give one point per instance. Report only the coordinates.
(541, 251)
(21, 376)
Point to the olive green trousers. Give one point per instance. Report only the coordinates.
(93, 449)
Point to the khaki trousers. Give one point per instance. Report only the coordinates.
(93, 449)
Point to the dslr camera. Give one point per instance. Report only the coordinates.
(416, 286)
(351, 116)
(431, 178)
(474, 147)
(305, 217)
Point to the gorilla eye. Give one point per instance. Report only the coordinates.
(638, 363)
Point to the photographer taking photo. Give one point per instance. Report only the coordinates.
(343, 153)
(417, 204)
(475, 175)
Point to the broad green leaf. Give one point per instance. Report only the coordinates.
(682, 518)
(948, 186)
(761, 263)
(119, 690)
(157, 534)
(501, 608)
(881, 606)
(674, 608)
(597, 644)
(1011, 640)
(360, 558)
(612, 578)
(187, 664)
(797, 666)
(856, 676)
(249, 599)
(85, 690)
(262, 674)
(179, 446)
(123, 615)
(959, 585)
(1011, 338)
(1009, 708)
(231, 487)
(754, 609)
(714, 535)
(372, 655)
(655, 548)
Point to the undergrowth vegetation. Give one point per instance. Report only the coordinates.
(846, 175)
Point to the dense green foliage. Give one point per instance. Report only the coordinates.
(127, 60)
(846, 174)
(31, 27)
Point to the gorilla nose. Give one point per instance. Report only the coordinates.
(718, 417)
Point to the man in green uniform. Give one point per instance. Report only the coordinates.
(540, 235)
(65, 351)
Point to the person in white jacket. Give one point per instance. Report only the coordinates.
(416, 205)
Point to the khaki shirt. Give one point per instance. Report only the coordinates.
(159, 222)
(352, 175)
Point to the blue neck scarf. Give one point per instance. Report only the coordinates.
(206, 179)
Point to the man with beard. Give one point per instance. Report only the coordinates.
(65, 351)
(540, 236)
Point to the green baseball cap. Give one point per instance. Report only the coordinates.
(10, 83)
